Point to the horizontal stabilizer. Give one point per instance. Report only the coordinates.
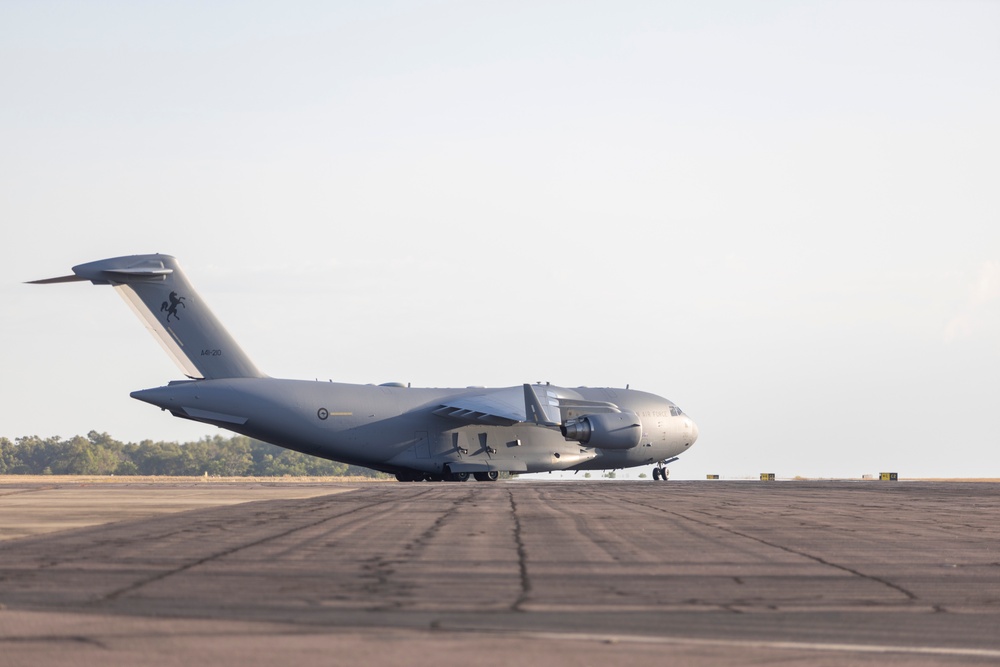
(61, 279)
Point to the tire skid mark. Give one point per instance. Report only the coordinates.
(131, 588)
(381, 568)
(580, 523)
(596, 496)
(46, 639)
(818, 559)
(580, 520)
(33, 490)
(82, 552)
(341, 527)
(421, 541)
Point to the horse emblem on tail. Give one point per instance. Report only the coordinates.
(171, 306)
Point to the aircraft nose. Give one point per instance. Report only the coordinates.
(692, 431)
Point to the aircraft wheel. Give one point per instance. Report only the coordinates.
(460, 476)
(656, 474)
(403, 477)
(490, 476)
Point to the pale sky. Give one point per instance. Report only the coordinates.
(783, 216)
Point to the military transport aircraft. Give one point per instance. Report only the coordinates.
(416, 434)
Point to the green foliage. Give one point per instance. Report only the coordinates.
(100, 454)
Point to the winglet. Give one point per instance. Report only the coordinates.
(534, 410)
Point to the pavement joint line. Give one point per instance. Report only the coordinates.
(756, 643)
(436, 628)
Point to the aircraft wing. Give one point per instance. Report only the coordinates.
(541, 405)
(498, 407)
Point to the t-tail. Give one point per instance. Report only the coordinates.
(159, 293)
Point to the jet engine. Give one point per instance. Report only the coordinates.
(606, 430)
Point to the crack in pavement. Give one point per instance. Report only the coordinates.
(522, 557)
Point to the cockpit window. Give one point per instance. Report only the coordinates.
(675, 411)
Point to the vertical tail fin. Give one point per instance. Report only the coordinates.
(159, 293)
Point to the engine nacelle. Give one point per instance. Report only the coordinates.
(606, 430)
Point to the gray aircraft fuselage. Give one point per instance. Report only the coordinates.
(415, 433)
(393, 428)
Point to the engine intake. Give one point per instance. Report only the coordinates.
(605, 430)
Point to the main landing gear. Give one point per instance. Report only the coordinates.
(659, 472)
(490, 476)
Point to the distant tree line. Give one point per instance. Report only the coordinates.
(100, 454)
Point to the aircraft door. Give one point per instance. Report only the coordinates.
(421, 446)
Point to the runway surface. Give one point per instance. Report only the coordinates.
(532, 573)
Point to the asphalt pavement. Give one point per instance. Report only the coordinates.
(520, 572)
